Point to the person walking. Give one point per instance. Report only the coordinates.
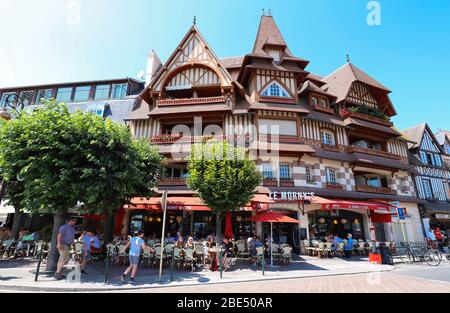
(136, 245)
(348, 248)
(87, 241)
(65, 238)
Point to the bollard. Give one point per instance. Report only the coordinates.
(220, 263)
(171, 265)
(263, 261)
(107, 265)
(41, 252)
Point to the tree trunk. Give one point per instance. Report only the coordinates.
(219, 227)
(108, 226)
(59, 218)
(16, 223)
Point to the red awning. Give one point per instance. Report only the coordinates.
(332, 204)
(187, 203)
(381, 218)
(273, 217)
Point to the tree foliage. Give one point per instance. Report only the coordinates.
(62, 159)
(223, 176)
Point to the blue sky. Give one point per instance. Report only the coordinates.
(46, 41)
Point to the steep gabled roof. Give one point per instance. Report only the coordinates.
(168, 66)
(442, 136)
(340, 83)
(269, 34)
(417, 132)
(312, 87)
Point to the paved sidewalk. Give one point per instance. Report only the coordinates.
(19, 275)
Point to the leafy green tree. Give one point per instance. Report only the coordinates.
(223, 176)
(63, 160)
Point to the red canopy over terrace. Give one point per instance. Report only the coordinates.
(332, 204)
(188, 203)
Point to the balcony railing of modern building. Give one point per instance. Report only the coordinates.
(172, 182)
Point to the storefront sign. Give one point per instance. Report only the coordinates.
(291, 196)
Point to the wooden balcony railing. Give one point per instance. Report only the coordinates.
(322, 109)
(206, 100)
(172, 182)
(287, 183)
(280, 139)
(334, 186)
(378, 153)
(270, 183)
(368, 118)
(277, 100)
(167, 139)
(331, 148)
(379, 190)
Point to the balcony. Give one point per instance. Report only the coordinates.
(334, 186)
(379, 190)
(331, 148)
(190, 101)
(172, 182)
(377, 153)
(366, 117)
(277, 100)
(322, 109)
(270, 183)
(178, 138)
(287, 183)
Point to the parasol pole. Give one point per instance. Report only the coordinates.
(164, 208)
(271, 244)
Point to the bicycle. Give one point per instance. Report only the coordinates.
(432, 255)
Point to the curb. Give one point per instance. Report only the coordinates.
(157, 286)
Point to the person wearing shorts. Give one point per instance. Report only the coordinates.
(136, 245)
(88, 238)
(66, 237)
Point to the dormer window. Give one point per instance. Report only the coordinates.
(327, 137)
(319, 101)
(314, 101)
(275, 54)
(275, 90)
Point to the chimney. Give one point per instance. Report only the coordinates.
(153, 66)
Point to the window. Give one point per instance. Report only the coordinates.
(437, 160)
(423, 157)
(323, 103)
(330, 175)
(314, 101)
(6, 96)
(275, 54)
(27, 97)
(98, 109)
(64, 94)
(374, 182)
(430, 159)
(285, 171)
(284, 127)
(102, 92)
(361, 144)
(327, 137)
(308, 174)
(275, 90)
(82, 94)
(120, 91)
(44, 94)
(428, 192)
(267, 171)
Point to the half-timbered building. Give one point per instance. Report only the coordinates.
(333, 137)
(432, 176)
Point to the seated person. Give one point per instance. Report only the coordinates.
(190, 243)
(227, 247)
(251, 243)
(180, 242)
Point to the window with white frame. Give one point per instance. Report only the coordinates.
(327, 137)
(7, 96)
(308, 174)
(427, 190)
(437, 159)
(277, 127)
(27, 97)
(267, 171)
(330, 175)
(285, 171)
(42, 95)
(275, 90)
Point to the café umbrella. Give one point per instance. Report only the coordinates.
(273, 217)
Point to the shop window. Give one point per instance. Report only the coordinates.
(327, 137)
(330, 175)
(285, 171)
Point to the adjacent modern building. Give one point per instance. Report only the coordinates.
(332, 136)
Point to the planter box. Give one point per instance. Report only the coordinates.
(334, 186)
(380, 190)
(287, 183)
(270, 183)
(368, 118)
(326, 110)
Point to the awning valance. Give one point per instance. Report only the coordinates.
(332, 204)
